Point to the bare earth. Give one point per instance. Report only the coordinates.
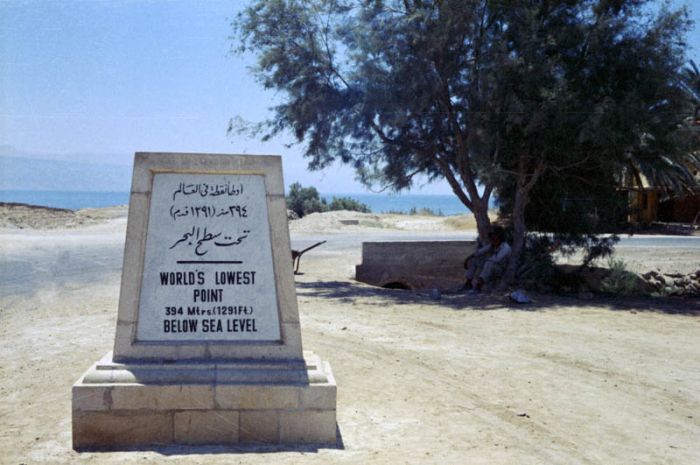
(459, 380)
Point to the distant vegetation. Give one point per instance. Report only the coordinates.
(347, 203)
(423, 211)
(306, 200)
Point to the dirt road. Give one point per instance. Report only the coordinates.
(456, 380)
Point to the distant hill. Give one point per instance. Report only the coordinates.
(26, 173)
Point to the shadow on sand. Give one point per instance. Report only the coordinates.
(352, 291)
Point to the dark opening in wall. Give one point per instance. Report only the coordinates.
(397, 285)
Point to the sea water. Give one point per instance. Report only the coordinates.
(405, 203)
(72, 200)
(378, 203)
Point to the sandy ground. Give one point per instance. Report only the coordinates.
(22, 216)
(464, 380)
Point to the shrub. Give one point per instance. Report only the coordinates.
(620, 280)
(593, 247)
(537, 270)
(347, 203)
(425, 211)
(305, 200)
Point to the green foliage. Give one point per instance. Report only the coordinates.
(347, 203)
(463, 89)
(425, 211)
(537, 268)
(507, 95)
(582, 203)
(691, 84)
(620, 281)
(594, 247)
(413, 211)
(305, 200)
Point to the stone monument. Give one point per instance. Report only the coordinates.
(208, 345)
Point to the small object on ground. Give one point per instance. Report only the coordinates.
(523, 414)
(296, 255)
(519, 296)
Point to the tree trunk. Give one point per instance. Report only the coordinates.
(519, 233)
(480, 209)
(524, 184)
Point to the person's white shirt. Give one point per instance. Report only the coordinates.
(499, 255)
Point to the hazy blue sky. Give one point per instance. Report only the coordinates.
(104, 79)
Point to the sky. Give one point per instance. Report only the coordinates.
(99, 80)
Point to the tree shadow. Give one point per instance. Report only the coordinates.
(349, 292)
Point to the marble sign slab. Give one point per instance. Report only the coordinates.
(208, 270)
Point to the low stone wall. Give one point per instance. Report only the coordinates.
(414, 265)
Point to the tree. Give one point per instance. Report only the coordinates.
(670, 162)
(490, 95)
(691, 84)
(305, 200)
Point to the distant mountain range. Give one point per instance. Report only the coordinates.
(29, 173)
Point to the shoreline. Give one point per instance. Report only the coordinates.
(23, 216)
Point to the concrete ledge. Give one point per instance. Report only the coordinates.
(414, 265)
(117, 415)
(307, 370)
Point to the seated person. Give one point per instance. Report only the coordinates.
(488, 262)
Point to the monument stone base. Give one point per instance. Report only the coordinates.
(127, 405)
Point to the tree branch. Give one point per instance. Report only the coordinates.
(541, 168)
(454, 183)
(409, 176)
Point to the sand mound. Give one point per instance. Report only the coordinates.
(348, 221)
(24, 216)
(336, 220)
